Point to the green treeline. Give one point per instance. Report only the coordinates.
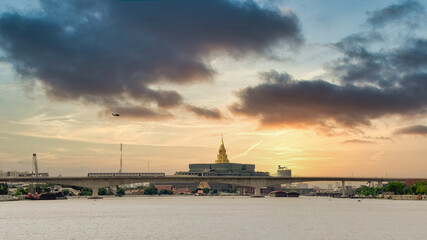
(3, 188)
(24, 191)
(21, 191)
(150, 190)
(398, 188)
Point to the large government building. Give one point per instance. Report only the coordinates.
(222, 167)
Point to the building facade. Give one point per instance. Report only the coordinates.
(284, 172)
(222, 167)
(16, 174)
(222, 153)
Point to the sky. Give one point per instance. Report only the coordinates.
(327, 88)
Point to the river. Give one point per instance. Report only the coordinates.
(191, 217)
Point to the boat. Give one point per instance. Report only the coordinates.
(278, 194)
(47, 196)
(283, 194)
(293, 194)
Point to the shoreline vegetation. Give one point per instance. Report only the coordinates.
(394, 191)
(391, 191)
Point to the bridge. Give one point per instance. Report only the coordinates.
(248, 181)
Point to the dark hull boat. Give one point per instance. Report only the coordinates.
(47, 196)
(284, 194)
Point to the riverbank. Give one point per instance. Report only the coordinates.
(387, 197)
(5, 198)
(405, 197)
(394, 197)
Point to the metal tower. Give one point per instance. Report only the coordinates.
(121, 159)
(36, 169)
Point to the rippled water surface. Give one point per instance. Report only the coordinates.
(213, 218)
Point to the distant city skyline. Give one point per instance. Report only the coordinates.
(326, 88)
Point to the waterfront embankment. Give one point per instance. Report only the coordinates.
(405, 197)
(394, 197)
(5, 197)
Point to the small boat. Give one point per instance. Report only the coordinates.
(293, 194)
(47, 196)
(278, 194)
(284, 194)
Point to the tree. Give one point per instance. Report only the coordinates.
(165, 191)
(422, 189)
(369, 191)
(120, 192)
(43, 188)
(105, 191)
(395, 187)
(85, 192)
(102, 191)
(150, 190)
(21, 191)
(417, 188)
(4, 188)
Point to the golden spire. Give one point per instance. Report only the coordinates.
(222, 153)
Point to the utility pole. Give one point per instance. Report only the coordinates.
(121, 158)
(36, 169)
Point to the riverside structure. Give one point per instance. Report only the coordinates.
(256, 182)
(221, 167)
(222, 171)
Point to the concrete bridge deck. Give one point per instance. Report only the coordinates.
(256, 182)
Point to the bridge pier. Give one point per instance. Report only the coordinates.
(257, 192)
(114, 190)
(32, 188)
(343, 188)
(95, 193)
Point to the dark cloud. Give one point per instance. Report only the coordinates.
(359, 64)
(384, 68)
(357, 141)
(407, 12)
(300, 103)
(413, 130)
(205, 112)
(371, 83)
(116, 51)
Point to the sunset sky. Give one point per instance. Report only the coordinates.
(327, 88)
